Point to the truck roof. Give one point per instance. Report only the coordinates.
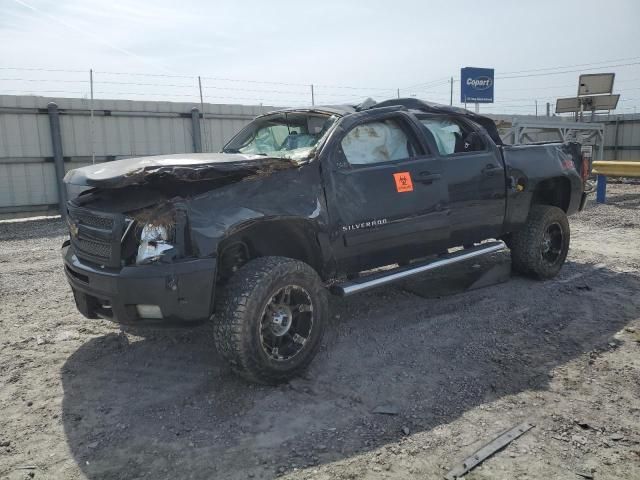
(413, 104)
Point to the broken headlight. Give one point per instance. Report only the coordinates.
(154, 242)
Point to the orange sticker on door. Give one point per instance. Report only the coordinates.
(403, 182)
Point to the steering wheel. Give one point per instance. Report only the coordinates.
(471, 142)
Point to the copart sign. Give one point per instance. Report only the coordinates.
(476, 85)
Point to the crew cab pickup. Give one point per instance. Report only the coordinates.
(302, 203)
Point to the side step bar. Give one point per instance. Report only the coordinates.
(402, 273)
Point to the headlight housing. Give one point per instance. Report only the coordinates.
(154, 241)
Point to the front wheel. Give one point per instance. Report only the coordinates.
(271, 319)
(540, 248)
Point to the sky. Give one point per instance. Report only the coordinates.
(270, 52)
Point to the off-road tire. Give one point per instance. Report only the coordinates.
(237, 323)
(527, 244)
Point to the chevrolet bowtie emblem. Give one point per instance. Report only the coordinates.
(73, 228)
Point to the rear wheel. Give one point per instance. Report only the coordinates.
(540, 248)
(271, 319)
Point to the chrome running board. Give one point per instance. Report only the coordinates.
(402, 273)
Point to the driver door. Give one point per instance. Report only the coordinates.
(386, 194)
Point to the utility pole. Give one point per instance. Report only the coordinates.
(202, 108)
(313, 99)
(451, 96)
(398, 93)
(536, 108)
(58, 156)
(93, 148)
(548, 109)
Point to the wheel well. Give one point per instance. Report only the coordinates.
(553, 191)
(285, 238)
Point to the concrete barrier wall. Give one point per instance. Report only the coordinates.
(119, 129)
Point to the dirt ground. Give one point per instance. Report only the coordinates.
(80, 399)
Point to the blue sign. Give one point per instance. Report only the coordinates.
(476, 85)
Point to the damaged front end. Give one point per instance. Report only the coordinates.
(133, 265)
(130, 255)
(146, 232)
(134, 211)
(146, 249)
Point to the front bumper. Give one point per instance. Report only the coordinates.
(183, 290)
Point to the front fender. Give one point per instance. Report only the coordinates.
(209, 228)
(292, 197)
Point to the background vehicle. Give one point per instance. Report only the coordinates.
(303, 198)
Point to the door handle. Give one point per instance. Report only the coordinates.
(428, 177)
(490, 169)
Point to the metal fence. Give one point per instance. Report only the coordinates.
(622, 137)
(114, 129)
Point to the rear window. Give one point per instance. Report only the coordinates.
(452, 136)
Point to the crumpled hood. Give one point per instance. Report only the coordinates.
(181, 167)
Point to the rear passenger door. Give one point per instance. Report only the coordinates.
(475, 176)
(387, 198)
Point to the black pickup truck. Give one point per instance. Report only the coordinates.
(303, 202)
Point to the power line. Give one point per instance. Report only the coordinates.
(563, 72)
(236, 80)
(43, 91)
(194, 95)
(43, 69)
(133, 74)
(548, 87)
(285, 92)
(354, 88)
(434, 89)
(42, 80)
(568, 71)
(256, 81)
(443, 81)
(574, 65)
(205, 87)
(438, 83)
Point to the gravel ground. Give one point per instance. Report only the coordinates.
(80, 399)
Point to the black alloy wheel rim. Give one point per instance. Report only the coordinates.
(552, 243)
(286, 323)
